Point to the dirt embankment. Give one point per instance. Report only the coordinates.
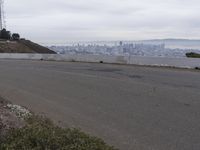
(23, 46)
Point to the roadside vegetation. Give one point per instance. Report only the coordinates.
(197, 68)
(193, 55)
(40, 133)
(6, 35)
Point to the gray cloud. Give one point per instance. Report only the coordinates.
(52, 21)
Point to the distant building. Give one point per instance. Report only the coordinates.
(121, 43)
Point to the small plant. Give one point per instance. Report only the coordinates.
(41, 134)
(73, 60)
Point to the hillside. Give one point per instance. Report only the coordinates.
(23, 46)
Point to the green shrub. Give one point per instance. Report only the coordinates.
(42, 134)
(193, 55)
(4, 34)
(15, 36)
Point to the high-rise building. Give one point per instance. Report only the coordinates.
(120, 43)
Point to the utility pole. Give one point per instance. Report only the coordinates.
(2, 17)
(1, 22)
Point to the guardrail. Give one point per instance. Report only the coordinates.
(136, 60)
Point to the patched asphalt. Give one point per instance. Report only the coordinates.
(130, 107)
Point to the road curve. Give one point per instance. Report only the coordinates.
(130, 107)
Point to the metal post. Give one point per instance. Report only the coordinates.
(1, 15)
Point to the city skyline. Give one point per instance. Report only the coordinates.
(51, 21)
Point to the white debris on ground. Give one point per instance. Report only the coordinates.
(11, 117)
(20, 111)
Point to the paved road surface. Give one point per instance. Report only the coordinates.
(133, 108)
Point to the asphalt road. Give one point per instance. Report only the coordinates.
(130, 107)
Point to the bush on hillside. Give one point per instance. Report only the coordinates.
(193, 55)
(4, 34)
(15, 36)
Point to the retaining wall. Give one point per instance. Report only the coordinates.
(137, 60)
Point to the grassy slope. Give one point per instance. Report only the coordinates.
(14, 47)
(36, 47)
(23, 46)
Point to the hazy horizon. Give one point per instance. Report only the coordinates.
(61, 21)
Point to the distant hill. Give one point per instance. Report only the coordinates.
(23, 46)
(175, 43)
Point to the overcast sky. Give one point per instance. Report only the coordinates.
(58, 21)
